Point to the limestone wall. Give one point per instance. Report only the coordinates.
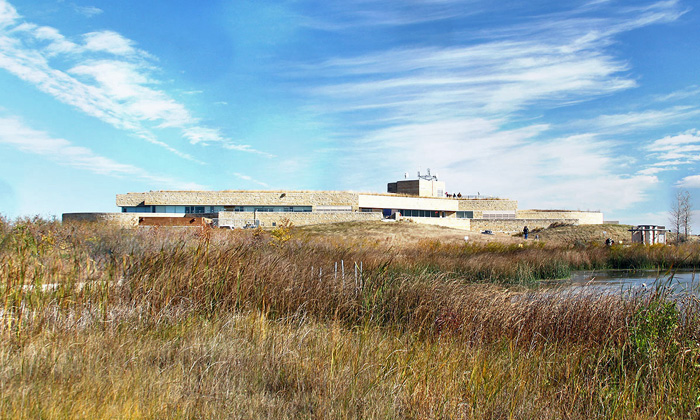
(120, 219)
(583, 217)
(515, 225)
(301, 219)
(479, 205)
(240, 198)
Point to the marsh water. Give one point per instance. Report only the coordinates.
(626, 280)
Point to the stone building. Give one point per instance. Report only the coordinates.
(423, 201)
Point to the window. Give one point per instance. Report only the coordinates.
(139, 209)
(465, 214)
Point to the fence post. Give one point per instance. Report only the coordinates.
(355, 263)
(362, 280)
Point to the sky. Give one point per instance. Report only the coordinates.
(581, 105)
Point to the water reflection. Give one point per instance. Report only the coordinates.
(631, 280)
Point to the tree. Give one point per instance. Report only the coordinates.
(681, 215)
(687, 214)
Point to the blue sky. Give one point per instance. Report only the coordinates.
(584, 104)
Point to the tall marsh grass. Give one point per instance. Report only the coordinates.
(180, 323)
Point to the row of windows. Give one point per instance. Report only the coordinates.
(435, 213)
(214, 209)
(421, 213)
(270, 209)
(173, 209)
(139, 209)
(202, 209)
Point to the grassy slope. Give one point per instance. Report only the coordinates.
(401, 233)
(407, 233)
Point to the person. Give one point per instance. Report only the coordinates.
(459, 195)
(525, 231)
(608, 242)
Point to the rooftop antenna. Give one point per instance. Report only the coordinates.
(427, 177)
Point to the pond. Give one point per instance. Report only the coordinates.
(626, 280)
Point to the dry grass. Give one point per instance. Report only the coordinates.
(99, 322)
(399, 234)
(405, 233)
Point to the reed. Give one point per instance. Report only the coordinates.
(104, 322)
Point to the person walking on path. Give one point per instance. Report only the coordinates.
(525, 231)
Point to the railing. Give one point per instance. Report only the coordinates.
(332, 209)
(498, 216)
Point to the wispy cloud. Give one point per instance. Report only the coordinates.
(109, 78)
(88, 11)
(8, 14)
(351, 14)
(560, 60)
(15, 133)
(636, 121)
(459, 107)
(688, 92)
(110, 42)
(247, 148)
(250, 179)
(679, 149)
(692, 181)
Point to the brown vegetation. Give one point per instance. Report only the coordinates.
(192, 323)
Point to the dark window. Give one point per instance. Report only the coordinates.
(465, 214)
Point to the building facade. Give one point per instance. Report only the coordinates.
(422, 201)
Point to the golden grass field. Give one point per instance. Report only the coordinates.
(101, 322)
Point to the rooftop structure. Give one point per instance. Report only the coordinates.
(425, 186)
